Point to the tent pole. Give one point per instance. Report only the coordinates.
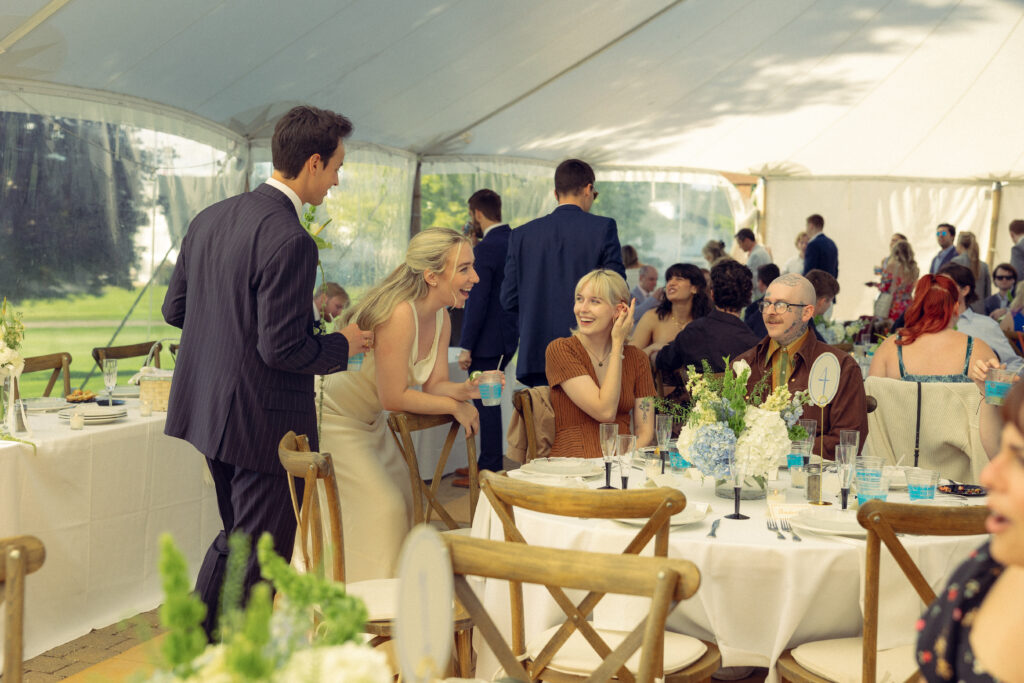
(993, 221)
(762, 212)
(414, 215)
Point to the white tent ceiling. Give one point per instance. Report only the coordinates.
(911, 88)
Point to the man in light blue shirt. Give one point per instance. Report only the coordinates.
(976, 324)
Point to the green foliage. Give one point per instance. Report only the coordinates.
(231, 616)
(247, 649)
(308, 217)
(182, 612)
(344, 616)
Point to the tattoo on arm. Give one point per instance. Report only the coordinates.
(645, 409)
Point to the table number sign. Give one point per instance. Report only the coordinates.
(423, 620)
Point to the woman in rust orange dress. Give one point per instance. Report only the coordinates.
(595, 375)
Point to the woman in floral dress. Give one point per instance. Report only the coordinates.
(898, 278)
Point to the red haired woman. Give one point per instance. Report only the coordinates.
(929, 349)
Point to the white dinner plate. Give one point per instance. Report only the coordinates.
(829, 522)
(92, 412)
(691, 514)
(43, 404)
(128, 391)
(564, 467)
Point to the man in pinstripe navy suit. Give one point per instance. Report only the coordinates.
(240, 293)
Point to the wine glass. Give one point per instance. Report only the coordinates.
(736, 474)
(663, 428)
(625, 444)
(850, 437)
(608, 432)
(110, 378)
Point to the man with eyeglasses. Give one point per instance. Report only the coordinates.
(786, 355)
(547, 257)
(945, 234)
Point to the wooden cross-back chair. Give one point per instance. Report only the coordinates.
(19, 556)
(883, 521)
(656, 505)
(59, 363)
(665, 581)
(402, 425)
(378, 594)
(142, 349)
(523, 404)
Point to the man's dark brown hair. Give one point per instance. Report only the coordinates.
(571, 176)
(487, 202)
(303, 132)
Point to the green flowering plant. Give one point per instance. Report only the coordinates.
(257, 642)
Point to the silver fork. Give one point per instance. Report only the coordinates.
(786, 527)
(773, 526)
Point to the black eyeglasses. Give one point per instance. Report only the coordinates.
(779, 306)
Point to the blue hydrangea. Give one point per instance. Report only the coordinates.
(791, 414)
(712, 446)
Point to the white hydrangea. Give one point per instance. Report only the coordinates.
(10, 360)
(348, 663)
(764, 443)
(685, 440)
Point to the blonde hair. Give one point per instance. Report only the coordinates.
(969, 242)
(427, 250)
(604, 284)
(903, 254)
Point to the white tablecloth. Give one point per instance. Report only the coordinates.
(758, 595)
(99, 499)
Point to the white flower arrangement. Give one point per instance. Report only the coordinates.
(722, 420)
(12, 334)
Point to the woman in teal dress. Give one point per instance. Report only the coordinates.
(929, 348)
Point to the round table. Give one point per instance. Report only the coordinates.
(759, 595)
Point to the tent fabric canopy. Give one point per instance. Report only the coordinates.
(897, 88)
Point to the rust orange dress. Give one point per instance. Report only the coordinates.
(576, 433)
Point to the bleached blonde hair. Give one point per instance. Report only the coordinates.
(428, 250)
(605, 284)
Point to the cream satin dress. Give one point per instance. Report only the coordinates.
(373, 479)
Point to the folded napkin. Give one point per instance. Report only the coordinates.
(150, 372)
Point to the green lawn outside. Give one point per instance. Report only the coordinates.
(53, 325)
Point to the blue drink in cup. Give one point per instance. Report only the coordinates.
(997, 383)
(355, 362)
(871, 485)
(490, 388)
(921, 483)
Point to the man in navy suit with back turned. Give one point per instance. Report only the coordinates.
(244, 374)
(547, 257)
(821, 253)
(489, 332)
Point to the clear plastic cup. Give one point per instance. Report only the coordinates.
(997, 383)
(651, 461)
(490, 387)
(798, 452)
(871, 484)
(355, 363)
(921, 483)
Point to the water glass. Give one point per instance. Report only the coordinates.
(810, 426)
(799, 453)
(650, 460)
(490, 387)
(997, 383)
(921, 483)
(871, 484)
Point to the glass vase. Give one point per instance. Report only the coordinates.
(750, 490)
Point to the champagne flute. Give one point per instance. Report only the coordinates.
(624, 446)
(663, 429)
(846, 456)
(736, 474)
(608, 432)
(850, 437)
(110, 378)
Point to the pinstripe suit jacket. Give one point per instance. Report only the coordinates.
(240, 293)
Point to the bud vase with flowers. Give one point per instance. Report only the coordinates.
(724, 420)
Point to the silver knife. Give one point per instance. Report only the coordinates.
(714, 527)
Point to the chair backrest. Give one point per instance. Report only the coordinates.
(58, 363)
(173, 348)
(883, 521)
(665, 581)
(102, 353)
(402, 425)
(522, 403)
(19, 556)
(299, 462)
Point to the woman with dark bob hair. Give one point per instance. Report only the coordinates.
(972, 632)
(686, 299)
(929, 348)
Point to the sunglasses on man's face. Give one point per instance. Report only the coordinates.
(1004, 277)
(941, 233)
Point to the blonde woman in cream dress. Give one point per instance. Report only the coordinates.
(406, 313)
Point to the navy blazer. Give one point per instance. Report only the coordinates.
(488, 330)
(822, 254)
(546, 258)
(240, 293)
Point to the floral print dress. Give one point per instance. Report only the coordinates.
(943, 646)
(902, 293)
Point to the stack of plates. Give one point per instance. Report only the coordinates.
(564, 467)
(43, 404)
(94, 414)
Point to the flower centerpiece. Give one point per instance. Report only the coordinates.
(261, 643)
(724, 422)
(836, 332)
(12, 334)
